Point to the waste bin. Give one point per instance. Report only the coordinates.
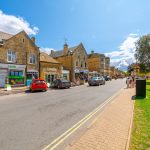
(141, 87)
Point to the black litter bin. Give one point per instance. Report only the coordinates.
(141, 87)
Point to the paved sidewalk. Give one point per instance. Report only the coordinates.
(111, 129)
(15, 90)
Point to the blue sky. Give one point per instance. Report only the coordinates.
(102, 26)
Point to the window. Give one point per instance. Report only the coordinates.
(76, 63)
(81, 64)
(32, 59)
(16, 73)
(85, 64)
(11, 56)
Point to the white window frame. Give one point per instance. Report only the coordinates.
(32, 59)
(12, 55)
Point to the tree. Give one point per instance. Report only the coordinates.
(142, 53)
(130, 68)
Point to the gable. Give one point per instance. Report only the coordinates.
(21, 39)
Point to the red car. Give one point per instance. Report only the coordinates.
(38, 85)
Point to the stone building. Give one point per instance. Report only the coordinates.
(99, 63)
(50, 69)
(102, 62)
(94, 64)
(19, 59)
(75, 60)
(107, 65)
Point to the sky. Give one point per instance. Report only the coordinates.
(111, 27)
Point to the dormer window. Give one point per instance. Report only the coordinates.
(11, 56)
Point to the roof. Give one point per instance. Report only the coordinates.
(60, 53)
(96, 54)
(46, 58)
(5, 36)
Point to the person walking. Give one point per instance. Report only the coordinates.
(128, 82)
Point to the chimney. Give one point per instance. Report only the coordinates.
(33, 39)
(65, 48)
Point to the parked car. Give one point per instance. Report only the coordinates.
(61, 83)
(107, 78)
(96, 81)
(38, 85)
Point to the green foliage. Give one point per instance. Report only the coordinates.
(142, 54)
(130, 68)
(140, 138)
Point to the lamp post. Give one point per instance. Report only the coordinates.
(71, 69)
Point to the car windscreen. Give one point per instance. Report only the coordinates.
(39, 81)
(95, 78)
(64, 81)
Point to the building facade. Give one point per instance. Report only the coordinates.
(107, 66)
(99, 63)
(75, 60)
(50, 69)
(19, 59)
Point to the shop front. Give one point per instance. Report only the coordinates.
(81, 75)
(31, 74)
(65, 74)
(16, 75)
(50, 74)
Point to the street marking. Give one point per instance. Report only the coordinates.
(66, 134)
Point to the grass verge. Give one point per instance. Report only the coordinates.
(140, 136)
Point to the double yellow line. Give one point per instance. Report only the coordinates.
(65, 135)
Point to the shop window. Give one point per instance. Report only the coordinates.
(20, 73)
(32, 59)
(11, 56)
(16, 73)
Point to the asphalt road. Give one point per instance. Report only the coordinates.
(32, 121)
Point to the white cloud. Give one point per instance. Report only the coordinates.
(47, 50)
(125, 53)
(12, 24)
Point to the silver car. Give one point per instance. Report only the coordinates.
(96, 81)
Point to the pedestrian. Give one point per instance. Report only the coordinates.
(128, 82)
(133, 82)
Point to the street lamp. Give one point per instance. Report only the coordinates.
(70, 52)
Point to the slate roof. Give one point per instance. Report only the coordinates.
(46, 58)
(5, 36)
(60, 53)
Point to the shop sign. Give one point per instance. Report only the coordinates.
(18, 67)
(65, 71)
(51, 70)
(3, 65)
